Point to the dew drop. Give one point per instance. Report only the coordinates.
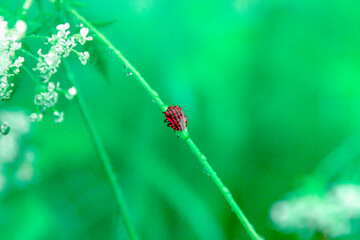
(127, 72)
(5, 128)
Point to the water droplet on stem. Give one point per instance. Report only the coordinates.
(5, 128)
(128, 74)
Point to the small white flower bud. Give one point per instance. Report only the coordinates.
(59, 116)
(83, 57)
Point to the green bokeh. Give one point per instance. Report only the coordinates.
(270, 89)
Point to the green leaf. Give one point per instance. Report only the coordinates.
(40, 5)
(77, 4)
(98, 57)
(102, 24)
(43, 22)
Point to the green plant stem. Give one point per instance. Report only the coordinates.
(29, 54)
(224, 190)
(31, 75)
(34, 37)
(120, 200)
(342, 157)
(152, 92)
(184, 134)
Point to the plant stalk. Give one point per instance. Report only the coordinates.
(184, 134)
(152, 92)
(223, 189)
(120, 200)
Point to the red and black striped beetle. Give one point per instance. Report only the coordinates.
(175, 118)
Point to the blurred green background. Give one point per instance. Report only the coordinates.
(270, 89)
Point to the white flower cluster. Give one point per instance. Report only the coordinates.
(334, 214)
(62, 45)
(9, 64)
(47, 98)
